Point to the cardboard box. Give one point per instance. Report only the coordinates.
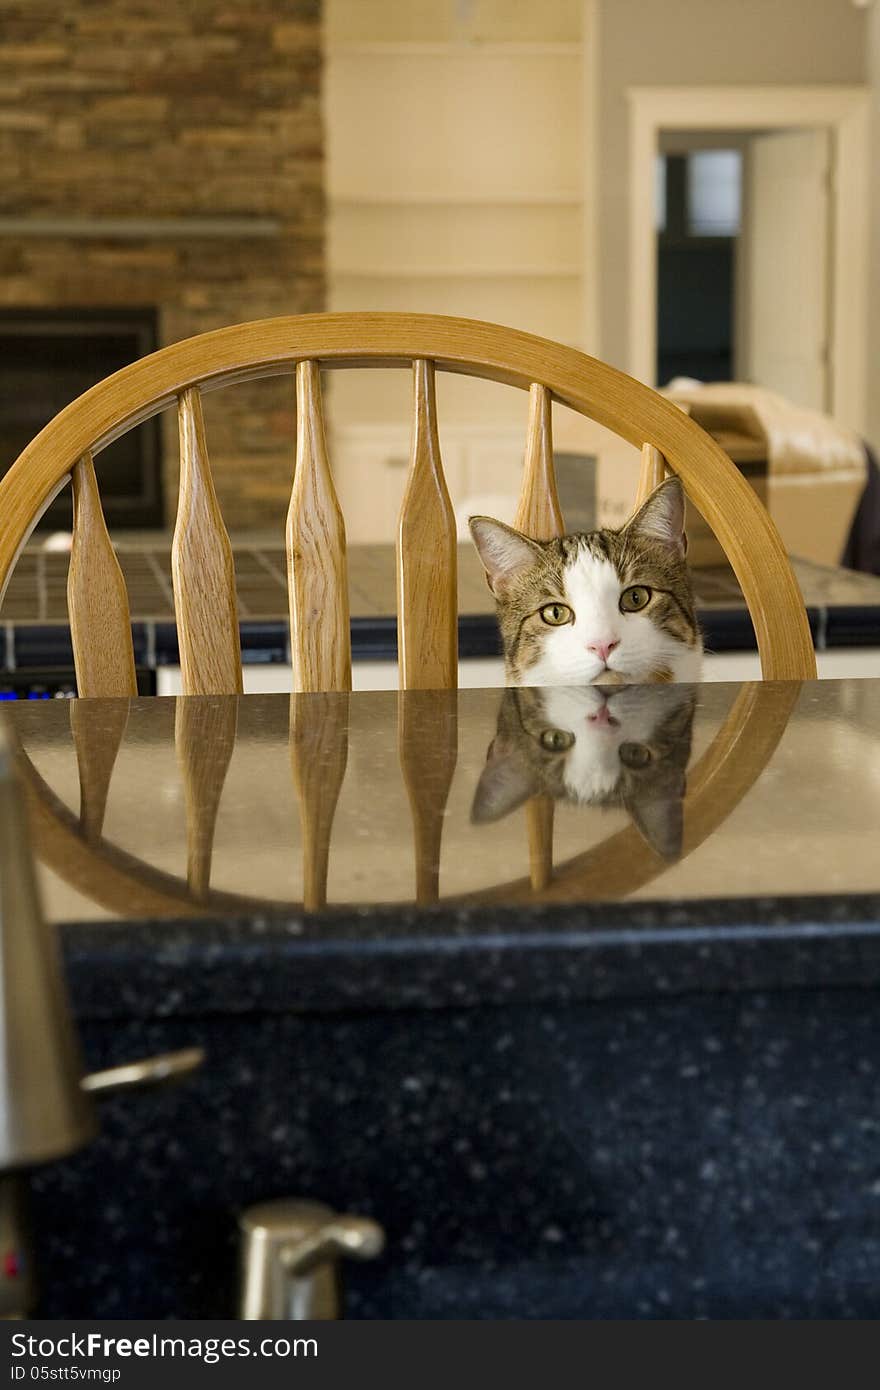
(812, 499)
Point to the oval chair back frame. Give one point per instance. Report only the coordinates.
(176, 376)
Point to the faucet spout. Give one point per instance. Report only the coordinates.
(44, 1112)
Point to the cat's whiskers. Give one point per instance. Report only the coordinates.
(626, 593)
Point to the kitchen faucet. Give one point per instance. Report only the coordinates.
(47, 1109)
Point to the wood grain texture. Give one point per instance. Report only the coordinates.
(270, 346)
(318, 756)
(202, 569)
(427, 577)
(104, 873)
(427, 737)
(538, 512)
(204, 739)
(652, 471)
(539, 827)
(98, 731)
(97, 600)
(317, 575)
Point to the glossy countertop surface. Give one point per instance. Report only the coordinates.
(218, 802)
(426, 820)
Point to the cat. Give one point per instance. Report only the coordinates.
(604, 607)
(594, 746)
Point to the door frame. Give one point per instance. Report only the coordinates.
(844, 110)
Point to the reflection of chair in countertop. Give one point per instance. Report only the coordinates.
(202, 565)
(128, 886)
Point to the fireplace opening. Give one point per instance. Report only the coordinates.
(47, 359)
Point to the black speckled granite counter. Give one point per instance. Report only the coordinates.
(631, 1084)
(711, 1155)
(403, 959)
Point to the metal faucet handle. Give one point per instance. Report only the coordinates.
(358, 1237)
(161, 1070)
(290, 1252)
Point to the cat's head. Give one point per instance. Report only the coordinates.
(605, 606)
(600, 746)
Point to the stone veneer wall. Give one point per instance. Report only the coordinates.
(141, 109)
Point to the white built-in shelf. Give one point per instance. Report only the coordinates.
(460, 272)
(351, 198)
(453, 48)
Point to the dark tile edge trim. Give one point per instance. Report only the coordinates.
(375, 638)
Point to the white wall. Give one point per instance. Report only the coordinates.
(699, 43)
(455, 148)
(459, 134)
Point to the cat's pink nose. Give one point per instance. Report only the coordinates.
(602, 649)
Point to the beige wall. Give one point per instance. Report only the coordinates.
(455, 169)
(458, 139)
(471, 21)
(699, 43)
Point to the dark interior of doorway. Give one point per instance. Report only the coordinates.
(695, 291)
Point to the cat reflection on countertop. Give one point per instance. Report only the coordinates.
(594, 746)
(607, 607)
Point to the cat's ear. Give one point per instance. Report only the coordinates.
(660, 822)
(661, 516)
(506, 554)
(678, 724)
(505, 783)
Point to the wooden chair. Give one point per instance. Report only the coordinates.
(202, 564)
(204, 581)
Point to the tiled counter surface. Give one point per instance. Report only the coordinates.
(843, 606)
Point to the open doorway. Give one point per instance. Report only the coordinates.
(810, 347)
(744, 272)
(698, 204)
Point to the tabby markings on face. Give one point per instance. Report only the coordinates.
(600, 607)
(626, 748)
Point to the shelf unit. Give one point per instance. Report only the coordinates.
(455, 177)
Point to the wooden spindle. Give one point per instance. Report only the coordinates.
(318, 755)
(317, 575)
(204, 740)
(427, 728)
(539, 513)
(202, 569)
(98, 731)
(97, 600)
(539, 824)
(651, 473)
(427, 597)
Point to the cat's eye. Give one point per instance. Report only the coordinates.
(635, 755)
(556, 740)
(556, 614)
(635, 598)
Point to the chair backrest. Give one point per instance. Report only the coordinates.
(202, 563)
